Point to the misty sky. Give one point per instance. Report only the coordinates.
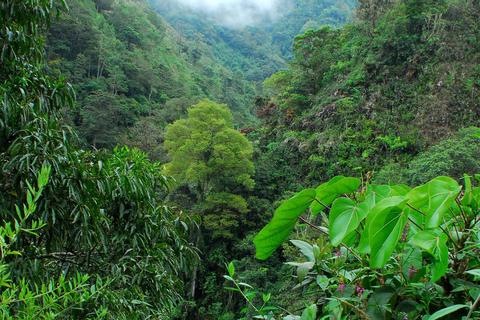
(238, 13)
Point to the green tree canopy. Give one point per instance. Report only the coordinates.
(207, 153)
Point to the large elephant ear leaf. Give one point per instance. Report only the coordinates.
(327, 192)
(375, 194)
(282, 223)
(434, 199)
(382, 191)
(389, 218)
(345, 217)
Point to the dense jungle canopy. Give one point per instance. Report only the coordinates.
(279, 159)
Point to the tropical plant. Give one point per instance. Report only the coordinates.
(392, 250)
(102, 213)
(212, 165)
(207, 153)
(53, 299)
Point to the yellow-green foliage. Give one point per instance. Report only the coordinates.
(207, 152)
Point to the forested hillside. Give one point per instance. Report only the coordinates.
(391, 99)
(290, 159)
(255, 51)
(133, 73)
(373, 95)
(84, 234)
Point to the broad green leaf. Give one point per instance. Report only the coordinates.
(327, 192)
(400, 190)
(376, 193)
(305, 248)
(282, 223)
(323, 281)
(385, 191)
(411, 263)
(310, 313)
(425, 240)
(364, 244)
(389, 218)
(476, 196)
(345, 217)
(435, 245)
(350, 240)
(446, 311)
(434, 199)
(440, 266)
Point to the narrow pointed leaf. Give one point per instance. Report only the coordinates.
(282, 223)
(474, 272)
(446, 311)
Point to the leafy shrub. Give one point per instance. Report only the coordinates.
(452, 157)
(52, 299)
(102, 213)
(393, 252)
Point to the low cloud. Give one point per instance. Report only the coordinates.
(239, 13)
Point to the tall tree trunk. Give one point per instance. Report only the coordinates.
(196, 240)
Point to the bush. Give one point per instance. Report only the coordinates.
(453, 157)
(382, 252)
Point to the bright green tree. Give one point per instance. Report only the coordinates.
(212, 164)
(206, 153)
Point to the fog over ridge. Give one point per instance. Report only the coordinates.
(239, 13)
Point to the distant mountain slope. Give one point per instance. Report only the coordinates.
(304, 15)
(133, 73)
(256, 51)
(373, 95)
